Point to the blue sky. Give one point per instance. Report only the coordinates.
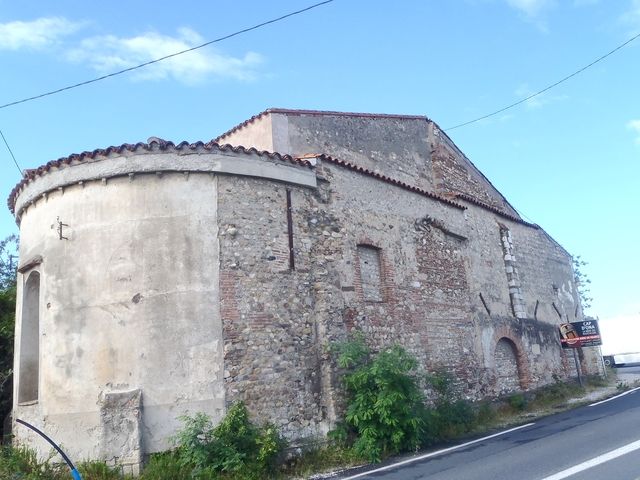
(568, 160)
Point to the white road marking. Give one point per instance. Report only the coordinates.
(618, 452)
(617, 396)
(438, 452)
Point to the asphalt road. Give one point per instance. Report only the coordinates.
(594, 442)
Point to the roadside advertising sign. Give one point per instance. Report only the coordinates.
(580, 334)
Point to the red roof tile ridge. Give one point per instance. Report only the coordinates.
(154, 144)
(384, 178)
(241, 125)
(486, 206)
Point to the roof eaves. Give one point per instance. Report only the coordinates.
(475, 201)
(384, 178)
(158, 145)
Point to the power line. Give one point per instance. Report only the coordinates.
(547, 88)
(12, 155)
(120, 72)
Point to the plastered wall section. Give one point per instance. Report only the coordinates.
(258, 134)
(129, 301)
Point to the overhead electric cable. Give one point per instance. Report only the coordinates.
(12, 155)
(546, 88)
(120, 72)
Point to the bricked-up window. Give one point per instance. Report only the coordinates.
(30, 341)
(370, 273)
(507, 371)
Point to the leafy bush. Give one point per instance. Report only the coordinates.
(385, 401)
(234, 446)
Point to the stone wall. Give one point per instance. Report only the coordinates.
(194, 277)
(272, 343)
(429, 263)
(393, 145)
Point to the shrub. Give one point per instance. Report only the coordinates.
(384, 399)
(234, 446)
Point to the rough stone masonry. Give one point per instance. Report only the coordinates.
(159, 279)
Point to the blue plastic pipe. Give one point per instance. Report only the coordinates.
(74, 472)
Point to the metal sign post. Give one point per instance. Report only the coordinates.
(577, 360)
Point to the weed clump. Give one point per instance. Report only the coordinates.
(235, 446)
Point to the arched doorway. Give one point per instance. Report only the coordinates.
(506, 367)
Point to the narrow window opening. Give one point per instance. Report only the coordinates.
(292, 265)
(30, 341)
(370, 273)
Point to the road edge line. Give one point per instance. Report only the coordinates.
(595, 461)
(613, 398)
(436, 453)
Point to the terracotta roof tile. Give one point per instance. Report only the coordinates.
(475, 201)
(156, 144)
(384, 178)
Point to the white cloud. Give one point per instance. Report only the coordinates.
(538, 101)
(109, 53)
(632, 16)
(634, 126)
(36, 34)
(531, 8)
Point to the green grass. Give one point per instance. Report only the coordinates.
(322, 458)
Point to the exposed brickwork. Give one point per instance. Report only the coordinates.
(508, 336)
(507, 372)
(452, 176)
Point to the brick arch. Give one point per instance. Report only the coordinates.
(522, 364)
